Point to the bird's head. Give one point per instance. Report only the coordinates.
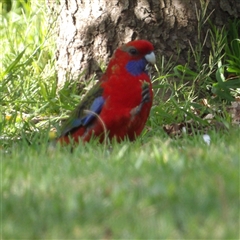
(133, 57)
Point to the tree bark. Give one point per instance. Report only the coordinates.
(90, 30)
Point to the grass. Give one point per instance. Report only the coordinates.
(161, 189)
(28, 80)
(156, 187)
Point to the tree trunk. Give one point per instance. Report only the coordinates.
(90, 30)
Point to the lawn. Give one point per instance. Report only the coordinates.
(159, 189)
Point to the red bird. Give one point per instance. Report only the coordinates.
(119, 104)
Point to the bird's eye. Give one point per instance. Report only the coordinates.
(133, 51)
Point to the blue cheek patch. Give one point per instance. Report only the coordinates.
(136, 67)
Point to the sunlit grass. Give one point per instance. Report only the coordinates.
(161, 189)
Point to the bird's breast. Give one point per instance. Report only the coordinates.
(124, 90)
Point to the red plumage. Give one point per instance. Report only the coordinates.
(120, 102)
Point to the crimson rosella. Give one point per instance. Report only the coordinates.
(119, 104)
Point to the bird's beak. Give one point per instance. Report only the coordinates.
(151, 58)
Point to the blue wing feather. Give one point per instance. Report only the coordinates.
(78, 120)
(95, 108)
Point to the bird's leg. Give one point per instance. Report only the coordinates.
(146, 97)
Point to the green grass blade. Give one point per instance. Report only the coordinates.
(14, 63)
